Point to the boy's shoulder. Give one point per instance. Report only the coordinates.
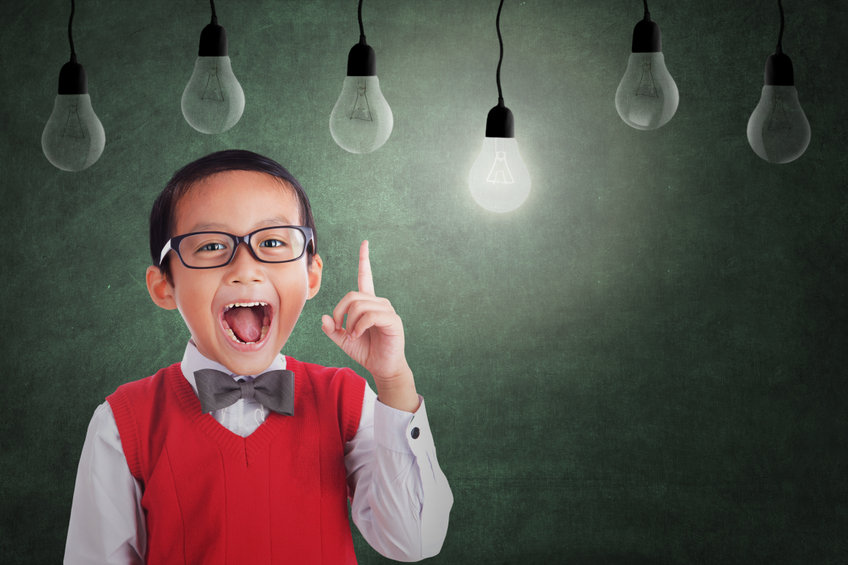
(325, 377)
(150, 382)
(320, 371)
(147, 392)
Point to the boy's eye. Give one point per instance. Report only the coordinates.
(208, 247)
(273, 243)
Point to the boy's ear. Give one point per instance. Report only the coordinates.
(314, 273)
(160, 289)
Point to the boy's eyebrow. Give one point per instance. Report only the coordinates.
(214, 226)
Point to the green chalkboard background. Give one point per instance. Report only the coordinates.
(646, 363)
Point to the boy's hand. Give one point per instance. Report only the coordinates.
(373, 337)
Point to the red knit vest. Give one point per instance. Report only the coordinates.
(213, 497)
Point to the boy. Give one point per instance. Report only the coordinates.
(238, 454)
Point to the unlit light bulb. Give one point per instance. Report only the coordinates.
(778, 130)
(499, 179)
(361, 120)
(73, 138)
(213, 100)
(647, 96)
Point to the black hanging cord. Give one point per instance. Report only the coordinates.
(647, 13)
(499, 122)
(779, 71)
(72, 75)
(213, 37)
(70, 33)
(500, 59)
(361, 60)
(361, 29)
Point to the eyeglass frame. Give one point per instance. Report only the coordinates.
(173, 244)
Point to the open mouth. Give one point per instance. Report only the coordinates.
(247, 322)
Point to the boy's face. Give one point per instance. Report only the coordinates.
(237, 202)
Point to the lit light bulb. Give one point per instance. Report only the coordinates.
(499, 179)
(647, 96)
(361, 120)
(213, 100)
(778, 130)
(73, 138)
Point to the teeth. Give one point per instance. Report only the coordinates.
(233, 336)
(237, 340)
(245, 304)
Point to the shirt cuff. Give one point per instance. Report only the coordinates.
(401, 431)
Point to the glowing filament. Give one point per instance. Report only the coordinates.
(500, 173)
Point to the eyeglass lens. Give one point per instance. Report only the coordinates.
(272, 245)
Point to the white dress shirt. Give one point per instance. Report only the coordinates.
(400, 499)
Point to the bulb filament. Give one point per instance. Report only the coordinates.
(73, 124)
(778, 119)
(500, 173)
(213, 89)
(646, 82)
(361, 109)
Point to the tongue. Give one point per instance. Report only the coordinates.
(246, 323)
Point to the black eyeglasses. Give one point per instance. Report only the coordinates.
(211, 249)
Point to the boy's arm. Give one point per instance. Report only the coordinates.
(401, 500)
(106, 524)
(373, 337)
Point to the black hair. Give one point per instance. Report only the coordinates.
(162, 214)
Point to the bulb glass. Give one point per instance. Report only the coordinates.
(361, 120)
(778, 130)
(73, 138)
(213, 100)
(647, 96)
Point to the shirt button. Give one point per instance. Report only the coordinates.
(415, 433)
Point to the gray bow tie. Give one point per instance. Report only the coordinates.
(274, 390)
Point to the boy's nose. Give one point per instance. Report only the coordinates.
(244, 268)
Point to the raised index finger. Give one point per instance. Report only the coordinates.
(366, 282)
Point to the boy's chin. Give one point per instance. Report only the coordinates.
(253, 361)
(249, 363)
(249, 358)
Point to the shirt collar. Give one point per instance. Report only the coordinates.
(193, 361)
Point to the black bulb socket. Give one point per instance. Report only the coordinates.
(213, 41)
(647, 37)
(500, 122)
(361, 60)
(779, 71)
(72, 78)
